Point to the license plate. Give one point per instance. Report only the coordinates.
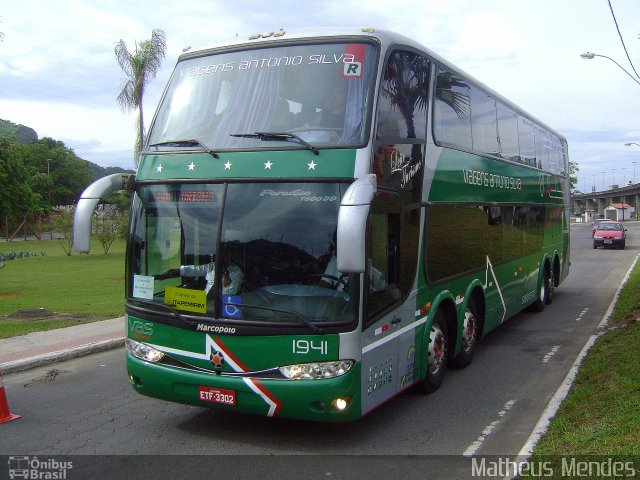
(217, 395)
(608, 241)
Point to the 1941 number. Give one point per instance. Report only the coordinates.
(303, 347)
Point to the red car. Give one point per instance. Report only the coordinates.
(597, 223)
(609, 234)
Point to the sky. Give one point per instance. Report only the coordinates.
(59, 74)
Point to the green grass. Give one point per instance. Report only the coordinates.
(600, 416)
(79, 288)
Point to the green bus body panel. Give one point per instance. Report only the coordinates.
(466, 177)
(329, 163)
(300, 399)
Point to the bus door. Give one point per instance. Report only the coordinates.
(388, 340)
(400, 135)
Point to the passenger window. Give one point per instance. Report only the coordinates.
(483, 123)
(452, 115)
(402, 104)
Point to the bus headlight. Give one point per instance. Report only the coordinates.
(316, 370)
(143, 351)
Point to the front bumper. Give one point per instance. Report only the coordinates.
(608, 242)
(299, 399)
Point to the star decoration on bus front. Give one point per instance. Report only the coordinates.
(217, 358)
(267, 166)
(191, 166)
(159, 168)
(312, 165)
(227, 166)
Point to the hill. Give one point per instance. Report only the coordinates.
(26, 135)
(20, 133)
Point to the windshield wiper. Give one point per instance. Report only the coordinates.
(186, 143)
(162, 307)
(295, 315)
(271, 136)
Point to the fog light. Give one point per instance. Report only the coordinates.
(341, 403)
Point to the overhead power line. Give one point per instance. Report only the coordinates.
(621, 39)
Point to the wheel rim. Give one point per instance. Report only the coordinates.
(468, 330)
(543, 289)
(437, 349)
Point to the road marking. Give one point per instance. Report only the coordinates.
(563, 390)
(582, 314)
(475, 446)
(553, 351)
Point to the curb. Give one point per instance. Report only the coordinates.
(62, 355)
(563, 390)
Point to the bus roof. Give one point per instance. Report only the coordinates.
(385, 38)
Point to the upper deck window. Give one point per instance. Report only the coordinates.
(321, 93)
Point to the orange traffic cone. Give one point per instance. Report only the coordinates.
(5, 414)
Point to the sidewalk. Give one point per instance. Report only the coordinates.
(41, 348)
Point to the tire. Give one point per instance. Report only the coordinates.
(437, 355)
(595, 246)
(543, 299)
(552, 287)
(470, 336)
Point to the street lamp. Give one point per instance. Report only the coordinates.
(591, 56)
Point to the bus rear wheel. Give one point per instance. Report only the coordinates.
(437, 354)
(470, 327)
(543, 298)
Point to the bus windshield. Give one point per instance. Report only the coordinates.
(261, 253)
(227, 101)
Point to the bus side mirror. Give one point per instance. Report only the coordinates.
(352, 225)
(87, 205)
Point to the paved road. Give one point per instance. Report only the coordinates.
(86, 406)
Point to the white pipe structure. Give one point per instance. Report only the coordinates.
(87, 205)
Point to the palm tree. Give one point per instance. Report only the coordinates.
(139, 66)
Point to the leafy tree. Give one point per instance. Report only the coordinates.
(58, 174)
(573, 178)
(139, 66)
(17, 199)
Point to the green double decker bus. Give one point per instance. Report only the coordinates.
(324, 219)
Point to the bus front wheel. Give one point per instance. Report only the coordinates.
(437, 353)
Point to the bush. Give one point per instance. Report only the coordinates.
(14, 255)
(108, 226)
(62, 225)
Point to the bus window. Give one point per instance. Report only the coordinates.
(318, 92)
(402, 103)
(527, 141)
(452, 113)
(543, 147)
(483, 122)
(508, 133)
(402, 123)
